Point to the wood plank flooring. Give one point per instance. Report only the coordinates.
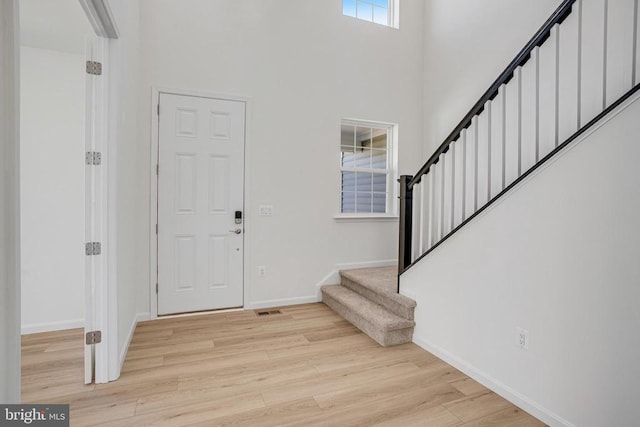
(306, 366)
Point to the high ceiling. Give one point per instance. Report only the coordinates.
(54, 24)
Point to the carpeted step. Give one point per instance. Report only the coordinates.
(379, 285)
(383, 326)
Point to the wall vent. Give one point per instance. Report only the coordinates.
(266, 313)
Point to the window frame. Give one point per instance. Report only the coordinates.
(391, 171)
(393, 13)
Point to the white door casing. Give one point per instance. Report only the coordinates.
(200, 188)
(96, 203)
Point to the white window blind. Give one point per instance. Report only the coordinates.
(365, 167)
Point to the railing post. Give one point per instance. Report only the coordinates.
(406, 224)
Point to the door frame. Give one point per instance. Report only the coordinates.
(10, 350)
(96, 217)
(104, 304)
(153, 187)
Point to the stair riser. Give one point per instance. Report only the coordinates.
(384, 338)
(392, 306)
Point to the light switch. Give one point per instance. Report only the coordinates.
(265, 210)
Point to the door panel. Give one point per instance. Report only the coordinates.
(89, 270)
(200, 186)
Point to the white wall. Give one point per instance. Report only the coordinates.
(558, 257)
(467, 44)
(52, 189)
(124, 153)
(9, 204)
(304, 66)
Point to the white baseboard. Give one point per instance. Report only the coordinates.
(140, 317)
(494, 385)
(282, 302)
(125, 348)
(52, 326)
(143, 317)
(333, 278)
(409, 294)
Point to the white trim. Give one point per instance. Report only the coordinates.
(333, 277)
(153, 200)
(518, 399)
(100, 17)
(394, 11)
(391, 168)
(153, 205)
(201, 313)
(248, 207)
(379, 124)
(60, 325)
(366, 264)
(100, 312)
(143, 317)
(105, 285)
(123, 353)
(88, 212)
(282, 302)
(112, 337)
(10, 202)
(364, 218)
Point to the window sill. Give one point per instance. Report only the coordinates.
(364, 218)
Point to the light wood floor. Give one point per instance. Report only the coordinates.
(306, 366)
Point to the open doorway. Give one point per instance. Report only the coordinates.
(52, 184)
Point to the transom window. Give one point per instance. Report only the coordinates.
(366, 168)
(377, 11)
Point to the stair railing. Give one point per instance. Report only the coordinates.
(580, 65)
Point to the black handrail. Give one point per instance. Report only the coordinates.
(525, 174)
(538, 39)
(407, 182)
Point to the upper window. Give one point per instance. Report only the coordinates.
(366, 166)
(382, 12)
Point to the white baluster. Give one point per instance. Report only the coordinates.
(548, 101)
(447, 190)
(593, 52)
(463, 139)
(529, 113)
(431, 217)
(443, 172)
(569, 85)
(620, 48)
(458, 182)
(419, 214)
(513, 128)
(482, 165)
(471, 145)
(636, 43)
(497, 143)
(436, 171)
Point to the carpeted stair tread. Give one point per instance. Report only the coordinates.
(382, 326)
(379, 284)
(367, 309)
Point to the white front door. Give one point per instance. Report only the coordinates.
(200, 193)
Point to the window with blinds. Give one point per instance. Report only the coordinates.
(365, 167)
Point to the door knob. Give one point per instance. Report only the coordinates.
(236, 231)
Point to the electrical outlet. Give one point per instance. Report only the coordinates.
(522, 338)
(262, 271)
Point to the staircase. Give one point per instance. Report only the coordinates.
(368, 298)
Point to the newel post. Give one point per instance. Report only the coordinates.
(406, 223)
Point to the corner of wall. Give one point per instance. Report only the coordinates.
(9, 205)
